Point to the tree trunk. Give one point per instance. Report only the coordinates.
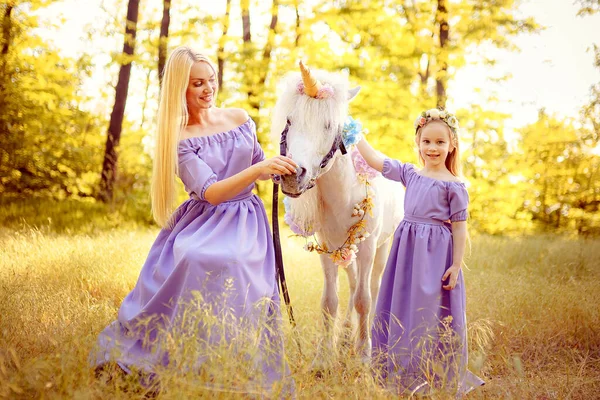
(6, 28)
(163, 38)
(441, 78)
(266, 59)
(245, 6)
(249, 55)
(256, 71)
(109, 165)
(222, 41)
(145, 102)
(298, 34)
(262, 71)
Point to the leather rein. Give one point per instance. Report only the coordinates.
(338, 144)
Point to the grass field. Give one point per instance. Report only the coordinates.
(533, 310)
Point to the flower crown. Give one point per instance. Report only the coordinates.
(325, 91)
(437, 114)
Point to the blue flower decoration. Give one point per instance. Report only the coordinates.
(352, 132)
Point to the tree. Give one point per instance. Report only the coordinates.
(562, 188)
(109, 165)
(222, 41)
(163, 38)
(444, 32)
(47, 141)
(7, 28)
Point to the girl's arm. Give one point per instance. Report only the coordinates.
(228, 188)
(459, 239)
(374, 159)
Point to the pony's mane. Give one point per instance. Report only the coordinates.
(307, 113)
(310, 116)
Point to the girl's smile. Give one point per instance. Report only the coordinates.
(434, 144)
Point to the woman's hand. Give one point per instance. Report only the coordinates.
(451, 273)
(278, 165)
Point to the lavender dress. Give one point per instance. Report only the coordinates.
(210, 279)
(419, 330)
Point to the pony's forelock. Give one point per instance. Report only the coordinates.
(310, 116)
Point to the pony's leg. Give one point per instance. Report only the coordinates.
(348, 326)
(379, 263)
(329, 305)
(362, 298)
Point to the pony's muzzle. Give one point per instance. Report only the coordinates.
(294, 185)
(300, 173)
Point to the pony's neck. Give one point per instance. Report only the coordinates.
(337, 183)
(332, 197)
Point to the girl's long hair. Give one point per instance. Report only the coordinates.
(453, 159)
(172, 119)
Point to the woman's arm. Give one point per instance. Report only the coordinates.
(374, 159)
(228, 188)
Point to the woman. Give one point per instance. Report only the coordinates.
(209, 281)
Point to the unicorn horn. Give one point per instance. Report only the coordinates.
(311, 85)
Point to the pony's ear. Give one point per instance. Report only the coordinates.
(353, 92)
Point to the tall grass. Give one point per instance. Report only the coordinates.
(73, 215)
(532, 306)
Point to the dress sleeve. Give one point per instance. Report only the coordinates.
(195, 174)
(397, 171)
(257, 154)
(458, 198)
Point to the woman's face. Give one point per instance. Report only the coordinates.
(202, 87)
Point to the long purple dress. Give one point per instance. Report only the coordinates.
(210, 280)
(419, 329)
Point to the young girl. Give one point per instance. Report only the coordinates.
(419, 329)
(210, 275)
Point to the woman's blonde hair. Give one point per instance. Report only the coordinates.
(453, 158)
(172, 119)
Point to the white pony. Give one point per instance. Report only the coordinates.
(308, 118)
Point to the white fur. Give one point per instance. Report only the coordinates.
(328, 206)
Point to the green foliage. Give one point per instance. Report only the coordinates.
(54, 127)
(48, 144)
(561, 189)
(487, 170)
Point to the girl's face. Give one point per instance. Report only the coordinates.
(202, 87)
(435, 144)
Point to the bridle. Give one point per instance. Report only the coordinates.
(338, 144)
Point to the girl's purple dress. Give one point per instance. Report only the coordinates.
(216, 261)
(419, 330)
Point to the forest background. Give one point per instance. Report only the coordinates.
(79, 85)
(62, 92)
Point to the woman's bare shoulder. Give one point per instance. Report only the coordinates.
(237, 116)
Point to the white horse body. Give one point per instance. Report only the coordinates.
(328, 206)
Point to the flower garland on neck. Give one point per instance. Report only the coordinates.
(346, 253)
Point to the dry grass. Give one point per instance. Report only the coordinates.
(533, 311)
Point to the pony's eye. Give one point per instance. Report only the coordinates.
(328, 126)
